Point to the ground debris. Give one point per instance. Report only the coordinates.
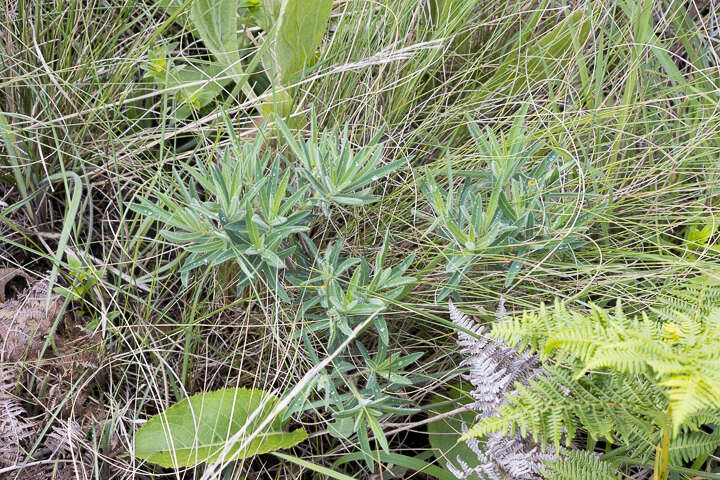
(25, 320)
(14, 428)
(29, 314)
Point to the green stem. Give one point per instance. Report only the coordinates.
(663, 451)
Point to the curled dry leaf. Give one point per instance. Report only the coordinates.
(28, 312)
(26, 319)
(14, 428)
(12, 280)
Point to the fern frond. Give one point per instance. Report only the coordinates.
(65, 438)
(495, 371)
(619, 378)
(494, 367)
(688, 446)
(682, 356)
(695, 297)
(14, 428)
(465, 322)
(606, 407)
(577, 464)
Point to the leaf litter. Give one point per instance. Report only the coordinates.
(44, 357)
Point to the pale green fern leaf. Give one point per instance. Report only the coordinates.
(553, 408)
(688, 446)
(577, 464)
(682, 356)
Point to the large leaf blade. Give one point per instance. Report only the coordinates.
(301, 25)
(444, 434)
(215, 21)
(196, 429)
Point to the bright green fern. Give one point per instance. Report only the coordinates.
(649, 384)
(682, 356)
(577, 464)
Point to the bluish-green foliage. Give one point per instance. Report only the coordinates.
(254, 209)
(507, 210)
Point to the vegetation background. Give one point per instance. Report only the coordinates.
(598, 121)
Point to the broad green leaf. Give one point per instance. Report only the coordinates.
(171, 6)
(280, 102)
(195, 86)
(207, 247)
(355, 201)
(149, 209)
(342, 427)
(377, 432)
(699, 237)
(196, 429)
(515, 267)
(216, 22)
(301, 25)
(266, 13)
(378, 173)
(445, 433)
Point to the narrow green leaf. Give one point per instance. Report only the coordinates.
(528, 66)
(412, 463)
(311, 466)
(68, 223)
